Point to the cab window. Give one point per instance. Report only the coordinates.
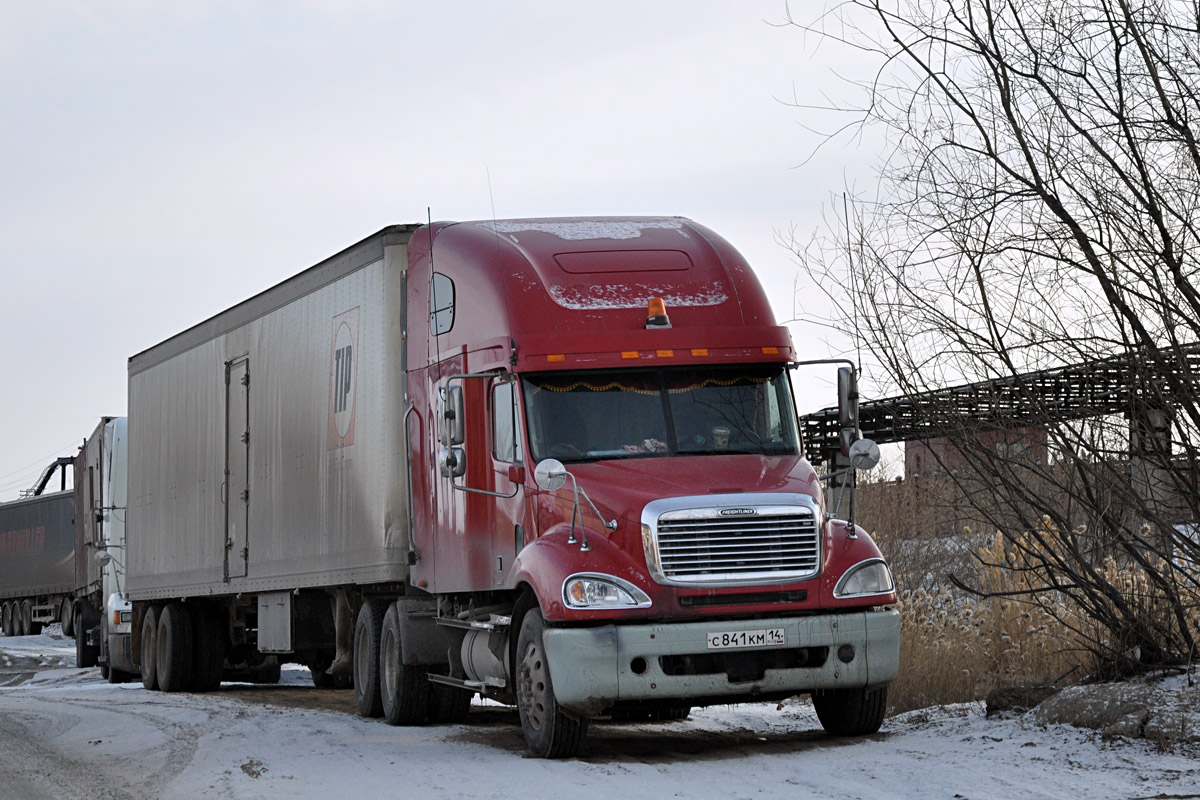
(504, 422)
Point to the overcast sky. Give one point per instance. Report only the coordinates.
(163, 161)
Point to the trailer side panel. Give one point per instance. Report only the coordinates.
(262, 442)
(37, 546)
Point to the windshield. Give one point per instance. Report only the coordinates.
(587, 416)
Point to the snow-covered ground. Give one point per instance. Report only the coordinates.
(64, 732)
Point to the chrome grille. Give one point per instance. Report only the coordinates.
(700, 545)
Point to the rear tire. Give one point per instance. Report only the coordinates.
(174, 648)
(208, 649)
(404, 688)
(449, 705)
(6, 619)
(150, 648)
(549, 731)
(850, 712)
(367, 630)
(67, 614)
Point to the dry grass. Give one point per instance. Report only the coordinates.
(956, 647)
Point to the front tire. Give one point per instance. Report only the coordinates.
(549, 731)
(850, 712)
(403, 688)
(367, 631)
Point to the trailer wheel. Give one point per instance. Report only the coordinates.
(403, 688)
(67, 615)
(174, 648)
(6, 619)
(150, 648)
(549, 731)
(26, 618)
(367, 630)
(448, 704)
(208, 649)
(850, 712)
(86, 655)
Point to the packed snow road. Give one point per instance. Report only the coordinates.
(64, 732)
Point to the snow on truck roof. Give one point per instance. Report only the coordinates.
(615, 247)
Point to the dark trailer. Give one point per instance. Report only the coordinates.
(37, 554)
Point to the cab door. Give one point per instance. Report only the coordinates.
(481, 518)
(510, 520)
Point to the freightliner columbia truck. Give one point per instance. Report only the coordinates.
(552, 462)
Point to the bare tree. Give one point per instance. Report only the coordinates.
(1037, 208)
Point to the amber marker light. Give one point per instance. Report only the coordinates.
(656, 314)
(770, 351)
(699, 351)
(629, 354)
(556, 358)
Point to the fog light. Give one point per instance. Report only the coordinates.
(638, 665)
(846, 653)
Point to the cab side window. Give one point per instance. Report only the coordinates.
(441, 304)
(504, 423)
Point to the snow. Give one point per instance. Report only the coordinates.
(585, 229)
(65, 732)
(609, 296)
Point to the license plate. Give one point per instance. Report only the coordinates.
(724, 640)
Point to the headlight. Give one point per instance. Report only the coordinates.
(865, 578)
(590, 590)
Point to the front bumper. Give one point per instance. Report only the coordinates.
(595, 668)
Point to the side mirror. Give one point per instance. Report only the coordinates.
(847, 408)
(864, 454)
(103, 559)
(452, 426)
(550, 474)
(452, 461)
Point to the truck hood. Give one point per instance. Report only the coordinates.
(622, 488)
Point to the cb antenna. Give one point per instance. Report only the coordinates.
(433, 306)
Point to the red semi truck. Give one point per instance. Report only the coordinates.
(553, 462)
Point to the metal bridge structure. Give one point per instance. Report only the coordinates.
(1108, 386)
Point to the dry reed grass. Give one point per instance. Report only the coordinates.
(957, 647)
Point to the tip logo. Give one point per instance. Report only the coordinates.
(343, 378)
